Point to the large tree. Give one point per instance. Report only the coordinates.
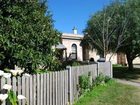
(132, 44)
(27, 35)
(105, 29)
(116, 33)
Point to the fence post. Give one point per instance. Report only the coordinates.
(69, 84)
(98, 69)
(111, 73)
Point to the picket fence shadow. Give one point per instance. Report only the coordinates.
(54, 88)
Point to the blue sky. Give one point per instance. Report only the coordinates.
(70, 13)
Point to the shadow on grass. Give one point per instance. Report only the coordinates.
(124, 73)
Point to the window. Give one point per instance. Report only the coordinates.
(74, 51)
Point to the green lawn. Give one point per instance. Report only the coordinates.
(111, 94)
(123, 73)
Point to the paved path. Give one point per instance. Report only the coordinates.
(128, 82)
(136, 66)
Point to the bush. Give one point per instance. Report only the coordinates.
(101, 79)
(117, 65)
(70, 63)
(76, 63)
(84, 83)
(39, 71)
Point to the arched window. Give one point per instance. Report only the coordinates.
(74, 51)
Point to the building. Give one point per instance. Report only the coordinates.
(72, 50)
(73, 47)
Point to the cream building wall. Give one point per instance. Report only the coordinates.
(136, 60)
(93, 54)
(68, 40)
(113, 58)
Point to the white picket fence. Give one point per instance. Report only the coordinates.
(54, 88)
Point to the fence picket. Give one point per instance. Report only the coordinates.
(41, 89)
(27, 89)
(2, 84)
(44, 89)
(63, 88)
(53, 89)
(50, 95)
(31, 90)
(14, 84)
(23, 89)
(34, 90)
(58, 88)
(56, 98)
(38, 89)
(48, 100)
(19, 87)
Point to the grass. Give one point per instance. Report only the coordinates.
(123, 73)
(112, 93)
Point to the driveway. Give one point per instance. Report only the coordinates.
(128, 82)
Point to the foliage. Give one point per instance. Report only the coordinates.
(39, 71)
(70, 63)
(84, 83)
(132, 44)
(27, 35)
(76, 63)
(116, 29)
(12, 98)
(117, 65)
(101, 79)
(105, 29)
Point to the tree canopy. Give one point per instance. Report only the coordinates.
(116, 28)
(27, 35)
(132, 44)
(105, 29)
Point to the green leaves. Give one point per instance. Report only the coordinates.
(105, 29)
(26, 35)
(116, 28)
(12, 97)
(132, 45)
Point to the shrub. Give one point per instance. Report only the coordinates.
(70, 63)
(84, 83)
(117, 65)
(101, 79)
(39, 71)
(76, 63)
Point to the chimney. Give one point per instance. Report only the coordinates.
(74, 30)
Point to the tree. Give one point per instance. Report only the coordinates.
(105, 29)
(132, 44)
(27, 35)
(122, 34)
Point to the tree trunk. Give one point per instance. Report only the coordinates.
(130, 62)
